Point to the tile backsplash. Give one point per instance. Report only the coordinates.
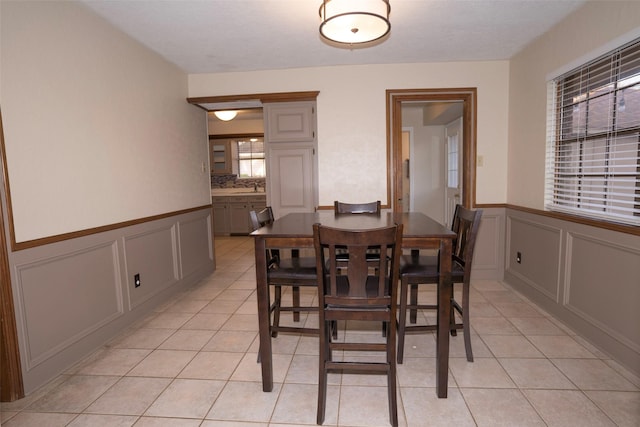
(232, 181)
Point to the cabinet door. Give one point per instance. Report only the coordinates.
(291, 179)
(220, 156)
(258, 205)
(290, 122)
(238, 218)
(220, 222)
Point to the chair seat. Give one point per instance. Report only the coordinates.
(424, 269)
(303, 268)
(371, 288)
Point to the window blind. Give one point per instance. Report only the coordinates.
(593, 138)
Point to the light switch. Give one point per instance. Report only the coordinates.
(480, 160)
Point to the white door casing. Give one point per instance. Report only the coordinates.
(454, 155)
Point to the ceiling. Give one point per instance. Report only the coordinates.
(216, 36)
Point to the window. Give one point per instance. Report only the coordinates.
(251, 159)
(453, 159)
(593, 139)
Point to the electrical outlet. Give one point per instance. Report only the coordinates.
(518, 257)
(136, 280)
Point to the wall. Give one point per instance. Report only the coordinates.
(97, 131)
(352, 141)
(586, 276)
(71, 297)
(81, 106)
(569, 44)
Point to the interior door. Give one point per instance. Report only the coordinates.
(453, 189)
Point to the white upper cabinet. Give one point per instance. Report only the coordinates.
(290, 122)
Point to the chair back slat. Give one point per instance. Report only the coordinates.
(357, 208)
(363, 284)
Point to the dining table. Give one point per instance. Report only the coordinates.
(295, 230)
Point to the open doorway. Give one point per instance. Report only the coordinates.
(403, 164)
(432, 155)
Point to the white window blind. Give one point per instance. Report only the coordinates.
(593, 139)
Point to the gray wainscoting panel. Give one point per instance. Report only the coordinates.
(196, 249)
(152, 255)
(488, 256)
(48, 286)
(539, 248)
(597, 272)
(596, 268)
(73, 296)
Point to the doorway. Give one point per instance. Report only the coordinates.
(402, 166)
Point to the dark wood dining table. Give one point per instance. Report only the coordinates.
(295, 230)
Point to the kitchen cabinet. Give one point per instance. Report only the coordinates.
(290, 122)
(231, 213)
(220, 156)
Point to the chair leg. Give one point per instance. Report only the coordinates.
(296, 303)
(466, 322)
(276, 311)
(391, 378)
(325, 332)
(452, 321)
(413, 317)
(402, 318)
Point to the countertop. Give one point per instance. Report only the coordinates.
(236, 192)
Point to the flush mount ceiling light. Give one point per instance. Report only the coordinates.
(225, 115)
(354, 22)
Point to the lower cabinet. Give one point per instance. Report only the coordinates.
(231, 214)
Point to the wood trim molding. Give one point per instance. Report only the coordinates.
(75, 234)
(235, 136)
(262, 97)
(612, 226)
(11, 385)
(468, 96)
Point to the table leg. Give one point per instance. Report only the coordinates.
(262, 291)
(445, 293)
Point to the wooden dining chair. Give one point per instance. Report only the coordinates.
(342, 208)
(416, 269)
(293, 271)
(357, 208)
(361, 295)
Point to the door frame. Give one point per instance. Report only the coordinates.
(395, 98)
(11, 385)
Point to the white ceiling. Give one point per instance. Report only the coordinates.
(211, 36)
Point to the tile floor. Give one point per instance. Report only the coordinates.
(193, 363)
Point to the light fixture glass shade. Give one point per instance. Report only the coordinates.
(226, 115)
(354, 21)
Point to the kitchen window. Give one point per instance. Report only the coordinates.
(251, 158)
(593, 139)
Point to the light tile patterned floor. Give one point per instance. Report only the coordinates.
(193, 363)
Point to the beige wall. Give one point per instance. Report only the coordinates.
(97, 129)
(589, 32)
(352, 123)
